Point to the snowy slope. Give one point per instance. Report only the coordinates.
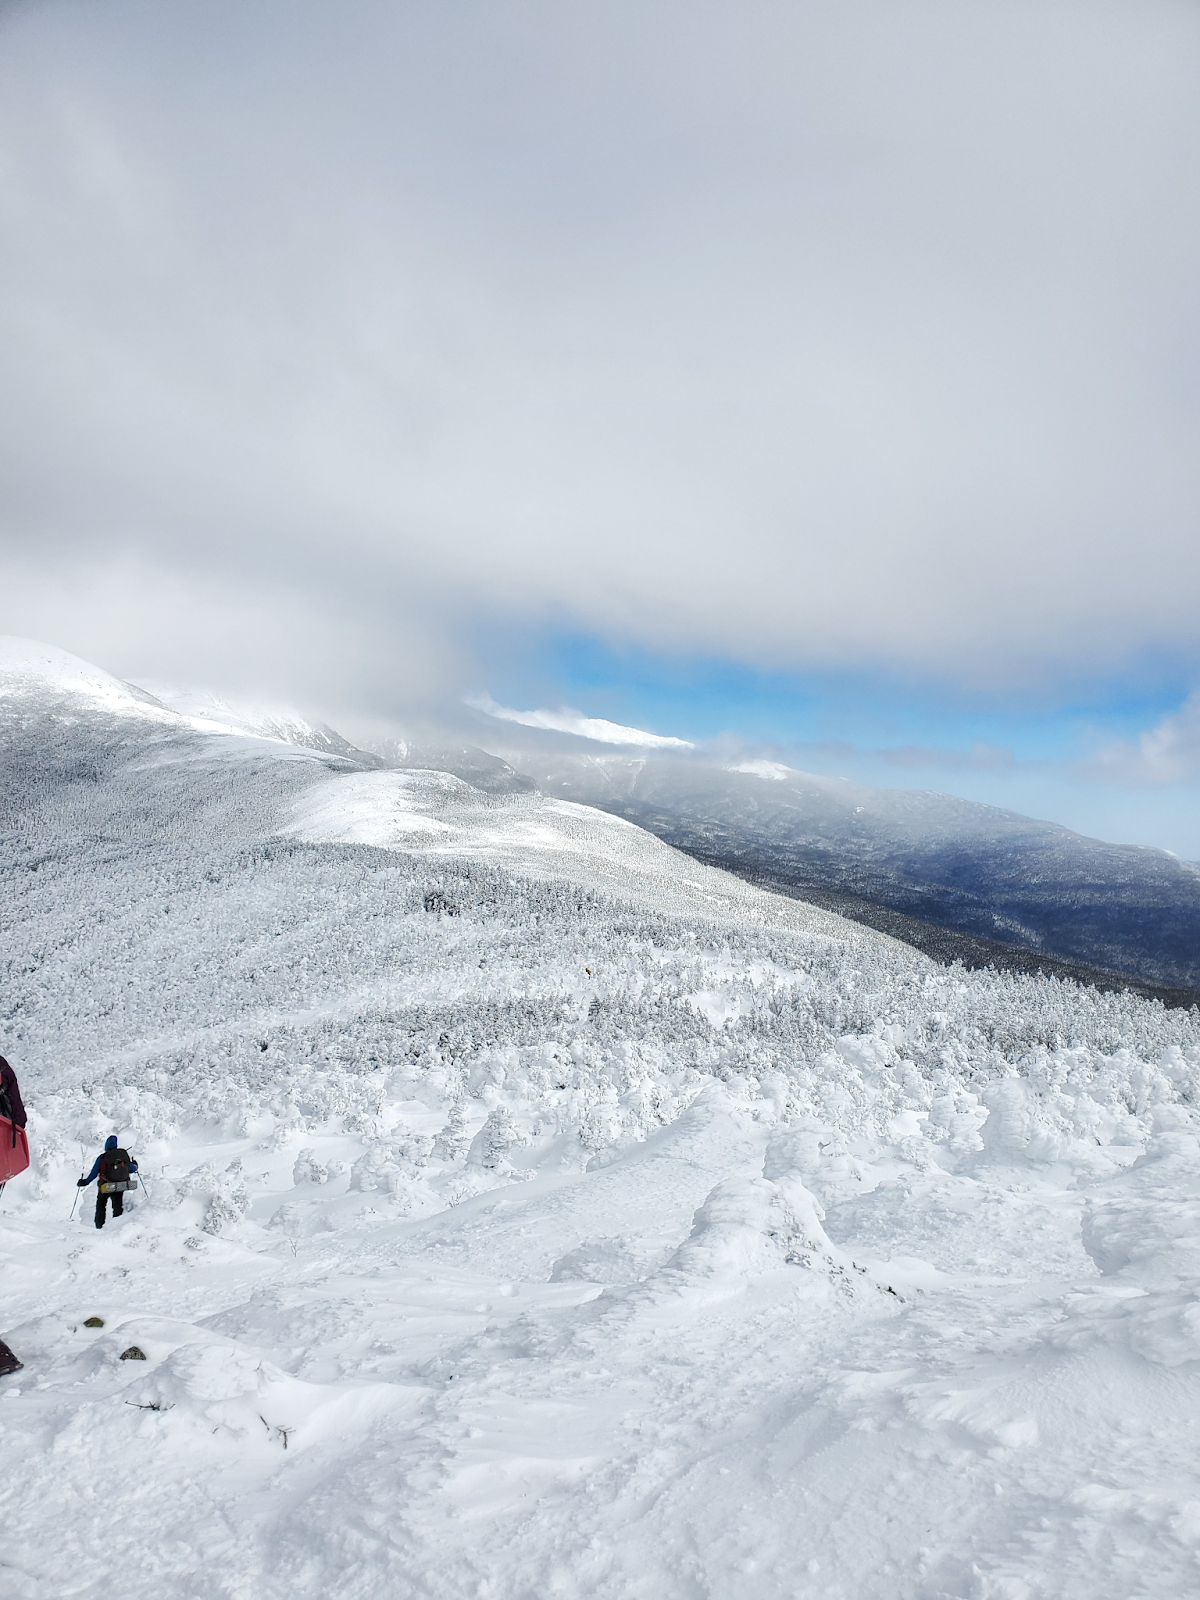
(976, 870)
(204, 709)
(42, 680)
(546, 838)
(532, 1212)
(35, 674)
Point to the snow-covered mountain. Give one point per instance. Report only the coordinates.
(976, 870)
(531, 1209)
(263, 722)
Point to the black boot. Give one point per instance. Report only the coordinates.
(8, 1361)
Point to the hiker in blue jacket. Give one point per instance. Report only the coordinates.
(112, 1165)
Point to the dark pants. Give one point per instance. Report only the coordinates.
(102, 1200)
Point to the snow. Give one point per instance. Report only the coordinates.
(205, 709)
(776, 771)
(555, 840)
(29, 668)
(45, 678)
(568, 721)
(530, 1211)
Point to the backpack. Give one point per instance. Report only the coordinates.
(14, 1150)
(14, 1146)
(114, 1172)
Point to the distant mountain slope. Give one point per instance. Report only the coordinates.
(978, 870)
(39, 681)
(263, 722)
(950, 945)
(956, 880)
(468, 762)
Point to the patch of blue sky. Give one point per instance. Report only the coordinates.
(701, 698)
(1023, 754)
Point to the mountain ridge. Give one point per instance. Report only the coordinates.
(982, 872)
(954, 879)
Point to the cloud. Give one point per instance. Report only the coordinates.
(567, 721)
(979, 758)
(1168, 753)
(142, 621)
(796, 336)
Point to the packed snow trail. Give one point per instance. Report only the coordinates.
(532, 1212)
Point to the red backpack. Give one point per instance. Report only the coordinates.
(14, 1146)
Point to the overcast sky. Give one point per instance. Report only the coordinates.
(378, 355)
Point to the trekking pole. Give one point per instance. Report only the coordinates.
(78, 1191)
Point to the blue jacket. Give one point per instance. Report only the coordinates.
(109, 1144)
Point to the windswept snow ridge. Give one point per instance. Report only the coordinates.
(598, 729)
(33, 674)
(43, 681)
(530, 1211)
